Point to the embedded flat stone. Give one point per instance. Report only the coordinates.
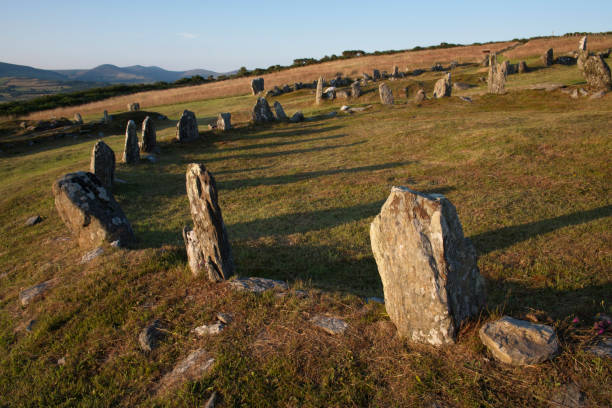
(258, 285)
(331, 325)
(210, 329)
(28, 295)
(193, 367)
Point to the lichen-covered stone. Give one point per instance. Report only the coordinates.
(428, 268)
(597, 73)
(386, 96)
(224, 121)
(548, 57)
(280, 112)
(355, 90)
(103, 163)
(193, 367)
(331, 325)
(258, 285)
(149, 136)
(496, 80)
(319, 91)
(131, 151)
(90, 210)
(257, 85)
(187, 127)
(209, 229)
(261, 111)
(443, 86)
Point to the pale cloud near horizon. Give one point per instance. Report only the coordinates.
(188, 36)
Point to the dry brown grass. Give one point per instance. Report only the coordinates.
(351, 67)
(560, 45)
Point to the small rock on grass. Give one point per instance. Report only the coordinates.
(602, 349)
(91, 255)
(33, 220)
(30, 294)
(331, 325)
(211, 329)
(150, 336)
(257, 285)
(193, 367)
(224, 318)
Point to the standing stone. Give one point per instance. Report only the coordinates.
(187, 127)
(133, 107)
(522, 67)
(582, 45)
(395, 72)
(131, 152)
(257, 85)
(443, 86)
(103, 163)
(547, 58)
(209, 229)
(90, 210)
(319, 92)
(420, 96)
(280, 112)
(376, 75)
(224, 121)
(149, 137)
(386, 96)
(261, 111)
(496, 81)
(106, 118)
(428, 269)
(78, 119)
(597, 73)
(583, 53)
(505, 67)
(355, 89)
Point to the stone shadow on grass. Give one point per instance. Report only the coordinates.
(297, 130)
(277, 144)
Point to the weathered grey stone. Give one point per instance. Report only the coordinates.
(331, 325)
(565, 60)
(428, 268)
(355, 89)
(224, 121)
(548, 57)
(297, 117)
(395, 72)
(150, 336)
(519, 342)
(102, 163)
(78, 119)
(496, 80)
(257, 85)
(443, 86)
(209, 229)
(90, 210)
(522, 67)
(257, 285)
(261, 111)
(376, 75)
(149, 136)
(319, 91)
(193, 367)
(93, 254)
(582, 45)
(602, 349)
(224, 318)
(597, 73)
(437, 67)
(187, 127)
(33, 220)
(280, 112)
(419, 96)
(386, 96)
(131, 151)
(195, 257)
(106, 119)
(133, 107)
(30, 294)
(211, 329)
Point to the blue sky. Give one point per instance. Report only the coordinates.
(224, 35)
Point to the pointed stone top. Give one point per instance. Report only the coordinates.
(582, 46)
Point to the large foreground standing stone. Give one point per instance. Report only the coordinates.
(597, 73)
(262, 112)
(386, 96)
(90, 210)
(187, 127)
(149, 136)
(319, 91)
(519, 342)
(257, 85)
(131, 152)
(443, 86)
(103, 163)
(209, 234)
(428, 268)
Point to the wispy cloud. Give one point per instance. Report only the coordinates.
(188, 36)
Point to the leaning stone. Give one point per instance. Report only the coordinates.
(297, 117)
(149, 136)
(331, 325)
(420, 96)
(257, 285)
(90, 210)
(597, 73)
(30, 294)
(602, 349)
(150, 336)
(519, 342)
(102, 163)
(212, 329)
(443, 86)
(224, 121)
(91, 255)
(187, 127)
(355, 90)
(193, 367)
(257, 85)
(547, 57)
(386, 96)
(33, 220)
(428, 268)
(319, 91)
(131, 152)
(261, 111)
(78, 119)
(280, 112)
(209, 229)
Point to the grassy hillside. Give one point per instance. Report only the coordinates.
(529, 173)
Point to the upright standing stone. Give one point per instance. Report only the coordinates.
(280, 112)
(386, 96)
(395, 72)
(496, 81)
(376, 75)
(522, 67)
(106, 118)
(257, 85)
(319, 92)
(90, 210)
(597, 73)
(583, 53)
(131, 152)
(133, 107)
(187, 127)
(103, 163)
(209, 229)
(261, 111)
(443, 86)
(582, 45)
(149, 137)
(420, 96)
(355, 89)
(224, 121)
(547, 58)
(505, 67)
(77, 118)
(428, 268)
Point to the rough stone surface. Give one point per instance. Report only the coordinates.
(210, 329)
(257, 86)
(224, 121)
(395, 72)
(149, 136)
(386, 96)
(33, 220)
(103, 163)
(30, 294)
(150, 336)
(548, 57)
(133, 107)
(106, 119)
(496, 80)
(257, 285)
(331, 325)
(209, 229)
(187, 127)
(195, 257)
(90, 210)
(193, 367)
(93, 254)
(602, 348)
(131, 151)
(224, 318)
(355, 89)
(297, 117)
(519, 342)
(376, 75)
(443, 86)
(77, 118)
(319, 91)
(582, 45)
(212, 400)
(568, 396)
(280, 112)
(597, 73)
(522, 67)
(419, 96)
(428, 268)
(261, 111)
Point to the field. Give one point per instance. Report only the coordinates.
(15, 89)
(528, 171)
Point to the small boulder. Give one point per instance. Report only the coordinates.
(419, 96)
(331, 325)
(133, 107)
(30, 294)
(78, 119)
(376, 75)
(187, 127)
(224, 121)
(102, 163)
(193, 367)
(93, 254)
(522, 67)
(33, 220)
(355, 90)
(261, 111)
(386, 96)
(280, 112)
(443, 86)
(211, 329)
(150, 336)
(149, 136)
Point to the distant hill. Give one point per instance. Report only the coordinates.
(23, 71)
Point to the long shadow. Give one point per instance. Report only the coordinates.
(287, 179)
(504, 237)
(302, 130)
(277, 144)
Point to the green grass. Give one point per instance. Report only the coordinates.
(529, 173)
